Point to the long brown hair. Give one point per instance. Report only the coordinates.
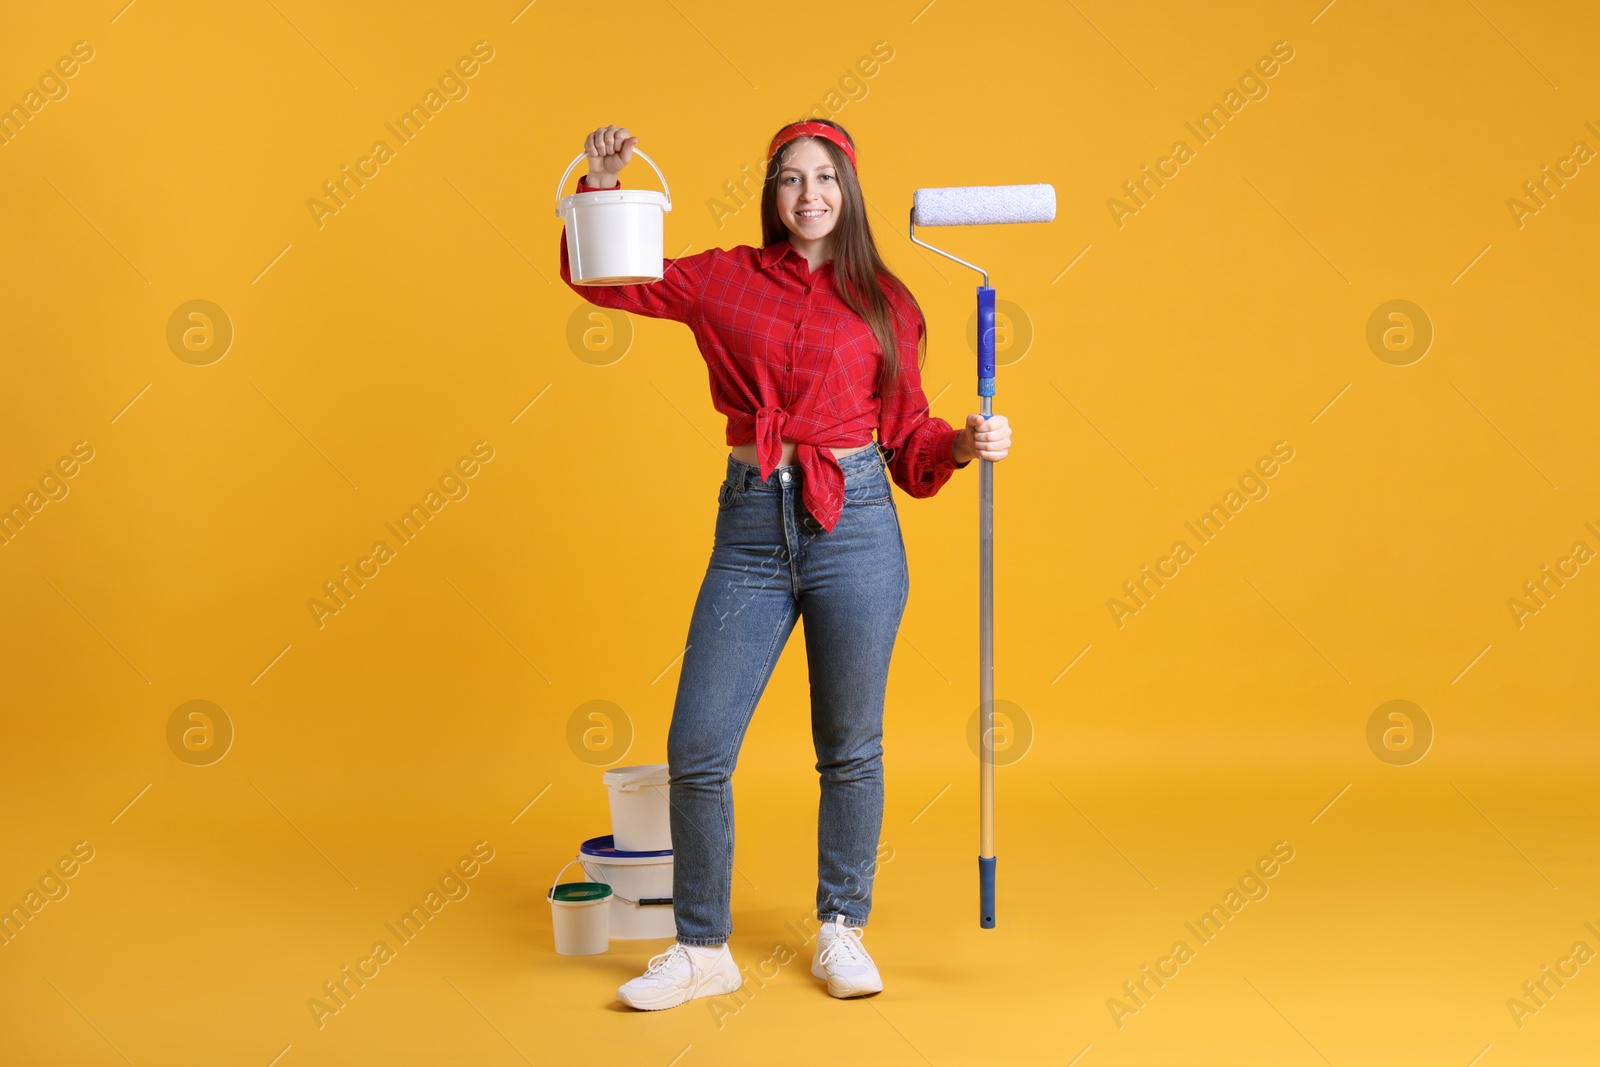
(856, 263)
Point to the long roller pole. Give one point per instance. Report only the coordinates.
(986, 856)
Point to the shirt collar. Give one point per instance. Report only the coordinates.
(772, 254)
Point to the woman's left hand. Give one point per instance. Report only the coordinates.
(983, 439)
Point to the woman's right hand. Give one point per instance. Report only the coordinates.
(609, 150)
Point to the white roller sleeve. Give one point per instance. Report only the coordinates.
(983, 205)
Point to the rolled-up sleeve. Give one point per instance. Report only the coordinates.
(676, 296)
(920, 445)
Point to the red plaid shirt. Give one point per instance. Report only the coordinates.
(789, 360)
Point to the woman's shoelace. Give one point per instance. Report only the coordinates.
(661, 961)
(846, 945)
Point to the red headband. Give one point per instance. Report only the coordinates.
(808, 128)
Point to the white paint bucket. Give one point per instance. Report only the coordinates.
(640, 807)
(580, 914)
(614, 236)
(641, 888)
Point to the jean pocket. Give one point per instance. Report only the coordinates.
(869, 489)
(726, 495)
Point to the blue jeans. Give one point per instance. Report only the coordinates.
(772, 562)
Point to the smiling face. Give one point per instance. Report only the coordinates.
(808, 190)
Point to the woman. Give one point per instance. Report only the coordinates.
(794, 334)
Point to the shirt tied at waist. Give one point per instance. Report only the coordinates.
(822, 487)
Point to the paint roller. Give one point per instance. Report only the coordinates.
(983, 205)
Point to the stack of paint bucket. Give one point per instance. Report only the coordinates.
(629, 895)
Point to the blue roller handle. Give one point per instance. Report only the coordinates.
(986, 340)
(986, 892)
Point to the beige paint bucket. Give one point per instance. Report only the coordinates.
(641, 816)
(580, 914)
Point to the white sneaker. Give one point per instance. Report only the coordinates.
(842, 959)
(675, 976)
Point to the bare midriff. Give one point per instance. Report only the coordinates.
(746, 453)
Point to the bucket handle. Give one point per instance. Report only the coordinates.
(562, 184)
(551, 895)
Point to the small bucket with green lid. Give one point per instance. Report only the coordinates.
(580, 913)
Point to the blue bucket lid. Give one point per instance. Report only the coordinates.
(604, 847)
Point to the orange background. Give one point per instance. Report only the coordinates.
(1168, 354)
